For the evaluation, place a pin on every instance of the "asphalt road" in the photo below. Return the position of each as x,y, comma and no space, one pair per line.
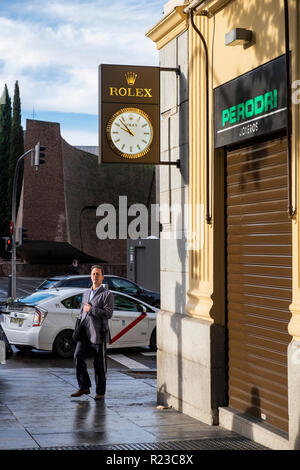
25,286
126,359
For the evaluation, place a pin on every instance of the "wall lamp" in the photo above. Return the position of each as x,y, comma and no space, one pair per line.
238,37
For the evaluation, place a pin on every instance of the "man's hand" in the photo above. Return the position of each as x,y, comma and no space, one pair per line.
87,308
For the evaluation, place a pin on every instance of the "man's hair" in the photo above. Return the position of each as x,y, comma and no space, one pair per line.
97,266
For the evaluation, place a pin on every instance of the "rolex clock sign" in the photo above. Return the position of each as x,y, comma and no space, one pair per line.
129,114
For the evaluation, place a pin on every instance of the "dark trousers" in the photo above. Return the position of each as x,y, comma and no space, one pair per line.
83,349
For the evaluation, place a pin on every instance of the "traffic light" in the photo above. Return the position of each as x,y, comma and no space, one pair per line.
8,243
39,155
22,235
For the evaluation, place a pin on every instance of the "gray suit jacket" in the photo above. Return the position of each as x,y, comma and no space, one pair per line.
96,321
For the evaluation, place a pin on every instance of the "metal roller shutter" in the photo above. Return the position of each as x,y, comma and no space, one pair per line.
259,280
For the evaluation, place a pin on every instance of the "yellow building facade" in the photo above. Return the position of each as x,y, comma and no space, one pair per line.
231,354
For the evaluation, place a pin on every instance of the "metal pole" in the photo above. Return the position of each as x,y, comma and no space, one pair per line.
9,286
291,212
13,219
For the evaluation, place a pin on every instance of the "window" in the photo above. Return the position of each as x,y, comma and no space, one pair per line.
48,284
73,302
124,304
80,282
123,285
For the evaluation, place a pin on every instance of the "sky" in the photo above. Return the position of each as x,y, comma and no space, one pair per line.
53,48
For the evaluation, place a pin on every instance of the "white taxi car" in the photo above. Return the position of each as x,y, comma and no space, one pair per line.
46,320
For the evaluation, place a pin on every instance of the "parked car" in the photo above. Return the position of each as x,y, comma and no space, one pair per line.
116,283
46,320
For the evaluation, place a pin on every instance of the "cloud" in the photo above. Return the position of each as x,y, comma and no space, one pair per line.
80,138
54,49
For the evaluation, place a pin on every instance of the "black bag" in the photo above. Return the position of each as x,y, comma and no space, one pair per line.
77,330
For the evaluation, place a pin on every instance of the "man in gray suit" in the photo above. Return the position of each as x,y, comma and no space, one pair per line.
96,309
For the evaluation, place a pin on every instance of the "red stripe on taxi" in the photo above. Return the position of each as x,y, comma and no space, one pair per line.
128,327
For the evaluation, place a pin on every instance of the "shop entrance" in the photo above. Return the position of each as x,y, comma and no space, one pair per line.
259,280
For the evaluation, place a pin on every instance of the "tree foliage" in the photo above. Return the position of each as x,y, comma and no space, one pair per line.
16,144
5,133
11,148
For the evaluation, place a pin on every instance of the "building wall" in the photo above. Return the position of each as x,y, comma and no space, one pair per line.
201,332
44,212
59,201
88,185
188,361
143,263
264,18
174,182
178,358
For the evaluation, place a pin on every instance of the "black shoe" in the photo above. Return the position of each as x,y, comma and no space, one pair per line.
86,391
99,397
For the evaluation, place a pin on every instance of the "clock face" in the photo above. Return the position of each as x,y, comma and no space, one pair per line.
130,132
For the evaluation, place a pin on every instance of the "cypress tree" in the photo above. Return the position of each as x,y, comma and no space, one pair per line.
5,129
16,145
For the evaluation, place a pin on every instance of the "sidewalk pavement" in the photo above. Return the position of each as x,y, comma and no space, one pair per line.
37,412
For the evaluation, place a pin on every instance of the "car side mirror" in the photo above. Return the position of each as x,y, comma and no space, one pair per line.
142,309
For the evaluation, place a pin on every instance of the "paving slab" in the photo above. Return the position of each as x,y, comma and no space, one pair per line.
16,439
37,412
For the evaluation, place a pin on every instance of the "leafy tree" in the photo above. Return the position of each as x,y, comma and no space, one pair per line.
16,145
5,129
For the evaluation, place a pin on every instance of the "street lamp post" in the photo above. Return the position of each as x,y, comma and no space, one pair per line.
13,224
36,162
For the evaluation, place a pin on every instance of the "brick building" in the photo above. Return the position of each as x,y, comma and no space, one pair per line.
58,203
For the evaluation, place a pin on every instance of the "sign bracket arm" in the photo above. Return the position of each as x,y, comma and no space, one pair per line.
171,69
177,163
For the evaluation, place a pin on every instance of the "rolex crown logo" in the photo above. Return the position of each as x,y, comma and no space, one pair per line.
131,78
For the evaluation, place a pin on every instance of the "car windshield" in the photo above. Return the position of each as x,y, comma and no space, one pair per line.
34,298
48,284
75,282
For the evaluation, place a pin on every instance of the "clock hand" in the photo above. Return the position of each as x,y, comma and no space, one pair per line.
128,130
122,128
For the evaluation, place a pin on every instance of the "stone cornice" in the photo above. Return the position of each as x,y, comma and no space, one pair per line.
212,6
169,27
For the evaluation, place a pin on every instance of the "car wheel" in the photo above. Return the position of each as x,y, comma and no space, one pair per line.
152,344
64,345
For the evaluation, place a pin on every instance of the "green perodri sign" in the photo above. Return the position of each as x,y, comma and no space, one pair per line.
251,105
